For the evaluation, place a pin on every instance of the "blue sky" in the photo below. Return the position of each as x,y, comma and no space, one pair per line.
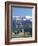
21,11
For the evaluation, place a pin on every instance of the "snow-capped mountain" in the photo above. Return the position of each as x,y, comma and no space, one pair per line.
20,22
22,17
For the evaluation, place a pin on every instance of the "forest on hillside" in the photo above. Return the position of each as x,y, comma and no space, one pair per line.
21,27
